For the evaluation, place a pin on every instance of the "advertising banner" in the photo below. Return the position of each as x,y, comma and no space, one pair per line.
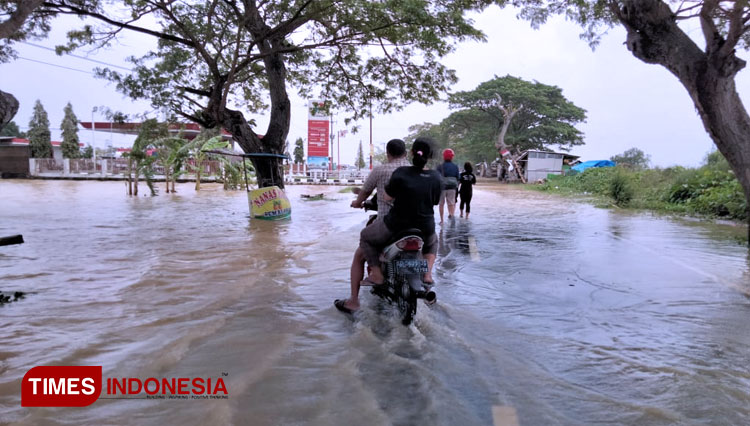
269,203
317,162
318,129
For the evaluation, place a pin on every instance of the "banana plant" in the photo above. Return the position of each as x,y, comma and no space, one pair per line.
172,158
197,148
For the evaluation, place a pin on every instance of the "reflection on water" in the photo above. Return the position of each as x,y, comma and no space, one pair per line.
568,313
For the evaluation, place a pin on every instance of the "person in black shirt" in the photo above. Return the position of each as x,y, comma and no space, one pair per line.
465,184
415,191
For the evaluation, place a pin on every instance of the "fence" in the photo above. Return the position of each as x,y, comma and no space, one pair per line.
107,167
117,168
45,165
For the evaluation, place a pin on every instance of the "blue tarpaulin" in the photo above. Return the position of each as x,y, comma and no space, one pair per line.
580,167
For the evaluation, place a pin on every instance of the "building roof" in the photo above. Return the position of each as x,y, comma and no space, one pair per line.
564,154
188,130
10,140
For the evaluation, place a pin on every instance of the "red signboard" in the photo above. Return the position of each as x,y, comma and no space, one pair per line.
317,138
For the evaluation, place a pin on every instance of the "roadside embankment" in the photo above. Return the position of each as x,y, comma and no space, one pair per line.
711,191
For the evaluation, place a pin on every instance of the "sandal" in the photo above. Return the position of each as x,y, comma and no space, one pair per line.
367,282
340,305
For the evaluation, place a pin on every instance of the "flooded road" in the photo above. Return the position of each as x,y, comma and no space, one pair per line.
568,313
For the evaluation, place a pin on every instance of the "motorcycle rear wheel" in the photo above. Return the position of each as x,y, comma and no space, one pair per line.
407,301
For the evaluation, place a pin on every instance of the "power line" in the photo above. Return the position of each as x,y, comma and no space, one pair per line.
77,56
55,65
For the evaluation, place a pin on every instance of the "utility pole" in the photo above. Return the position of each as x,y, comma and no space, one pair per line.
93,132
371,136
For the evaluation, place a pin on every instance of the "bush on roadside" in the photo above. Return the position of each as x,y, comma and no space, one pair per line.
620,188
711,190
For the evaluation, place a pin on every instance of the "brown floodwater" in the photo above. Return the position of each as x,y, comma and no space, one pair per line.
568,313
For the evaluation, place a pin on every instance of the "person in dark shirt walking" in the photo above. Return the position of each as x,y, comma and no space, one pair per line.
465,184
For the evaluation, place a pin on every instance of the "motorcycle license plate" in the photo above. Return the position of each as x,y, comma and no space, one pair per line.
414,266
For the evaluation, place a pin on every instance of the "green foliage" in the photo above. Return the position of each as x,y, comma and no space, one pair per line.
360,161
299,151
34,26
620,189
633,158
149,133
88,152
711,190
199,40
546,119
69,126
233,175
716,161
39,133
11,129
207,140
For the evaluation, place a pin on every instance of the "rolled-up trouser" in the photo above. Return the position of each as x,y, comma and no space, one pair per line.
448,195
376,236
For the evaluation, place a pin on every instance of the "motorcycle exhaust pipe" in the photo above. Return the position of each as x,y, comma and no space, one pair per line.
429,296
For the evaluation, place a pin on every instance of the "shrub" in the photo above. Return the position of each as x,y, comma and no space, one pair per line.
620,188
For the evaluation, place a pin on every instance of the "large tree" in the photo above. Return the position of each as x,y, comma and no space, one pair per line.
39,133
299,151
69,126
509,112
706,70
360,160
18,21
11,129
633,158
218,60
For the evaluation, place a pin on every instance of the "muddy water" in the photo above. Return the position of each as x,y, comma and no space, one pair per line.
567,313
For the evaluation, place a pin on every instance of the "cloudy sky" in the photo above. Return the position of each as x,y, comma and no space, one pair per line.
629,103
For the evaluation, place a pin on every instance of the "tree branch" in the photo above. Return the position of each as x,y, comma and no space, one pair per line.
67,9
23,10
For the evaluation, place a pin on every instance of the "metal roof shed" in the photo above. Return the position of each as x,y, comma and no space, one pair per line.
538,164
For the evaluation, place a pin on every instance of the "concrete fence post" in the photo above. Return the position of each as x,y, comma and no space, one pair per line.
66,166
32,166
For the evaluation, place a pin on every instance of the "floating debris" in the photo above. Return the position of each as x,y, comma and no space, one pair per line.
312,197
8,298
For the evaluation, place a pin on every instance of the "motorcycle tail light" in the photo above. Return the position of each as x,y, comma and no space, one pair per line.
410,244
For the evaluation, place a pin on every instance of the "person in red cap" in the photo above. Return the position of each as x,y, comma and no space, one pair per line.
449,172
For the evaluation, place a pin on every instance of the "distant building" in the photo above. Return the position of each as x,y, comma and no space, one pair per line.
14,157
538,164
56,145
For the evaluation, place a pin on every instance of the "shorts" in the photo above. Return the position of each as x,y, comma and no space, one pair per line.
450,196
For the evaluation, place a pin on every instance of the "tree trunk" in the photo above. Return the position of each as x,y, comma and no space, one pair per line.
8,108
268,171
24,8
135,177
130,175
708,76
198,169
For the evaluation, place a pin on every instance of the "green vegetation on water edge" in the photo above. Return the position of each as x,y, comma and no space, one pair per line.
709,191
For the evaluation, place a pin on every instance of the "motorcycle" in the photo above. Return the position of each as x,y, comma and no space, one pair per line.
403,269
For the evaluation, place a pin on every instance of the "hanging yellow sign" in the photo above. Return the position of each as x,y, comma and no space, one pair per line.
269,203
